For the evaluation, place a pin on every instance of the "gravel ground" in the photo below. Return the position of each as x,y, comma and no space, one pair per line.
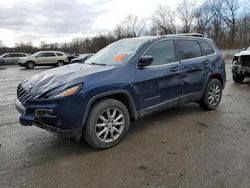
181,147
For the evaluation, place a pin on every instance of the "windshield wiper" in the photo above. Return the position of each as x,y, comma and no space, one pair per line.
93,63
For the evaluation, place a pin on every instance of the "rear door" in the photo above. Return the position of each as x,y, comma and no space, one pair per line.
159,82
195,67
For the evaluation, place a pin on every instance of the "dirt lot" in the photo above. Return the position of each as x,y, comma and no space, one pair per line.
182,147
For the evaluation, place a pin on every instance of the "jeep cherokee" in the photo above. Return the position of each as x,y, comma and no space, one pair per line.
123,82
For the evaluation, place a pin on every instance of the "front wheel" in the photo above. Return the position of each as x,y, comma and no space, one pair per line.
238,78
107,124
30,65
212,95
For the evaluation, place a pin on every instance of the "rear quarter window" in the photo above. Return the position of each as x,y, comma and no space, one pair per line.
187,49
207,49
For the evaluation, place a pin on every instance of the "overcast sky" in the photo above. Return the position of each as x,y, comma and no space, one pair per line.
62,20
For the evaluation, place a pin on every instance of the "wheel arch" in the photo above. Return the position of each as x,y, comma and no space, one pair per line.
218,77
120,95
32,61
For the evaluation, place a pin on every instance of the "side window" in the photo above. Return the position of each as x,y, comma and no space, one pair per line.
207,48
163,52
41,55
50,54
16,55
59,54
188,49
6,56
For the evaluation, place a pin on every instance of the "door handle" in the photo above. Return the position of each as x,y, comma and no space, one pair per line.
206,62
174,69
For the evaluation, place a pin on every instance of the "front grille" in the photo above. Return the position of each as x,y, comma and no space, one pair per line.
245,60
22,94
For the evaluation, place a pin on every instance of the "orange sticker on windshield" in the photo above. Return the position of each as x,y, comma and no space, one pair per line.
119,58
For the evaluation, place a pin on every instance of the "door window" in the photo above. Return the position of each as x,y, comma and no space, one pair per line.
49,54
41,55
163,52
188,49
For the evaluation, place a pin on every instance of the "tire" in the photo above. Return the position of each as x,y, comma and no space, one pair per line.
238,78
111,127
60,63
30,65
212,95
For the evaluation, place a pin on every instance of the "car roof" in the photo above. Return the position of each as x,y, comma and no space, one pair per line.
51,51
194,36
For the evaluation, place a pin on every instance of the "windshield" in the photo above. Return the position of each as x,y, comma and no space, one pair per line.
118,52
3,55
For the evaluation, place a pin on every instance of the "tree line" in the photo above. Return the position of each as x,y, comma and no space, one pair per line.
227,22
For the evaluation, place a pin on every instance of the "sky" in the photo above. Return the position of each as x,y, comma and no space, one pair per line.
61,20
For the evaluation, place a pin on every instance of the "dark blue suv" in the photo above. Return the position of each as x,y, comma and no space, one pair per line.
121,83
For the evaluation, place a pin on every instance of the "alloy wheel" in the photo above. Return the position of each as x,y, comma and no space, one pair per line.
214,94
110,125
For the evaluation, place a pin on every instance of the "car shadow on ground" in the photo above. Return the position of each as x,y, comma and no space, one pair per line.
148,122
164,116
37,68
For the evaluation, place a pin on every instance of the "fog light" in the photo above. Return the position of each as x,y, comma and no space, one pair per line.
43,112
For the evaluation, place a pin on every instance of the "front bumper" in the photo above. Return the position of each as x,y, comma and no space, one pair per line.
60,116
241,70
21,64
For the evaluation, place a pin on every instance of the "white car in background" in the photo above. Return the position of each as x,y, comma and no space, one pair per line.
44,58
241,65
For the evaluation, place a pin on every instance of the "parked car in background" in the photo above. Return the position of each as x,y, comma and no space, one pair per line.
124,81
12,58
241,65
71,56
82,58
44,58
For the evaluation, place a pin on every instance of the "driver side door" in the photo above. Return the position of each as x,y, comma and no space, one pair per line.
159,84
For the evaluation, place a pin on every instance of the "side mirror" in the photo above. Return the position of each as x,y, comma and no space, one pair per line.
36,56
145,61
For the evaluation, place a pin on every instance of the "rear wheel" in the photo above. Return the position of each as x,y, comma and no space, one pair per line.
238,78
60,63
107,124
212,96
30,65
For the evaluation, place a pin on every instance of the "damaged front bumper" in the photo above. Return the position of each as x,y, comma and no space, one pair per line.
241,70
61,116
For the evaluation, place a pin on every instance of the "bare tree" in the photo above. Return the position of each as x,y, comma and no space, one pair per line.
163,21
186,12
121,32
203,19
229,16
133,26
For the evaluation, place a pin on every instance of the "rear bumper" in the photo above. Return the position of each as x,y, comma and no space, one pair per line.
59,116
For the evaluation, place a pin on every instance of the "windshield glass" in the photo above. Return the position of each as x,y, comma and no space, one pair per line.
118,52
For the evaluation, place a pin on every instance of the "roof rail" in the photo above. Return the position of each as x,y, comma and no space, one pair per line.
187,34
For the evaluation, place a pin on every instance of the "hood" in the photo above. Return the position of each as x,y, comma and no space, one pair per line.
245,52
61,78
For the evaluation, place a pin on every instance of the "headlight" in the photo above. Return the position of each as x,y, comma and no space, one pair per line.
68,91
